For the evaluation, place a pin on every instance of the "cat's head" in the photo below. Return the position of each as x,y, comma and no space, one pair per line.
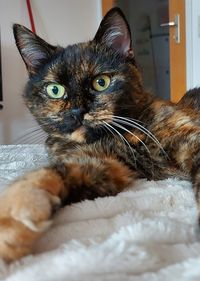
75,90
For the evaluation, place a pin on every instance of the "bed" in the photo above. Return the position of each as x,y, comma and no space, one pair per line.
148,232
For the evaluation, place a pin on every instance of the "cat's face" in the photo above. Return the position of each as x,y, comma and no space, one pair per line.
78,88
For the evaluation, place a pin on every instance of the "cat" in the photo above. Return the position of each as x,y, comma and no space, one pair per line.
104,130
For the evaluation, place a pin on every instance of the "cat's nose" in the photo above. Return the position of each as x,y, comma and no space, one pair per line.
78,113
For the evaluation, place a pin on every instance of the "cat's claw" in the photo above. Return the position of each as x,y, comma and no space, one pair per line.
35,226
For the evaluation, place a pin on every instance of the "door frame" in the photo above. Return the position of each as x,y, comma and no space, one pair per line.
191,14
189,24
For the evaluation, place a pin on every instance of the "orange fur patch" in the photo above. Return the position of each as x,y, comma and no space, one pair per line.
78,135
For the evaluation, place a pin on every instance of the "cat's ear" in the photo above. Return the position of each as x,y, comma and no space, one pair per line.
114,31
34,50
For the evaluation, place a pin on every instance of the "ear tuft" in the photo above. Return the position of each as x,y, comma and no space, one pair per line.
114,31
34,50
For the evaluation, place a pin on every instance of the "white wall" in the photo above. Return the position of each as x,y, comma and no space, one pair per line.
60,22
193,43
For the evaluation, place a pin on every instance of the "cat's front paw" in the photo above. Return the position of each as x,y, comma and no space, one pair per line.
25,212
33,208
15,239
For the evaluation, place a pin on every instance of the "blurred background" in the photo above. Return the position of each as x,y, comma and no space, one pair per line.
166,41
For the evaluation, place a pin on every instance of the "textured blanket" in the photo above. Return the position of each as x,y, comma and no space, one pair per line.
146,233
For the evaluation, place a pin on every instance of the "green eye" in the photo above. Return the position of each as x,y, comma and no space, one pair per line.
55,91
101,83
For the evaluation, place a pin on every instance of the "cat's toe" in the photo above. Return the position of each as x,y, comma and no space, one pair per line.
15,239
31,206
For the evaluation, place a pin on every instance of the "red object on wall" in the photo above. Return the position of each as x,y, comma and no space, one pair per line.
28,3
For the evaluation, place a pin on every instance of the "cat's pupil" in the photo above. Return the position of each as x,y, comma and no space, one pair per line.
101,82
55,90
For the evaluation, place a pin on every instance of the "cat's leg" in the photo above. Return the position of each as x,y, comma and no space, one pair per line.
195,174
188,157
26,207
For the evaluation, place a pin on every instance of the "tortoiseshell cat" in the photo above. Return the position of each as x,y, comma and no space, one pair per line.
103,130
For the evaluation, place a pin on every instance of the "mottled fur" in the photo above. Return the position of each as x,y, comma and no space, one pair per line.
98,142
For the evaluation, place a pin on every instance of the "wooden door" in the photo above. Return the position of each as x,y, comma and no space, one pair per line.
107,5
177,50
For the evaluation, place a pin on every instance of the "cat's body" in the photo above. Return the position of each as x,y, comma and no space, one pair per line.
103,130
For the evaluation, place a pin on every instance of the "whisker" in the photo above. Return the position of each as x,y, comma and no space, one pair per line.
106,126
135,125
122,138
41,139
28,135
32,139
138,126
38,138
123,128
133,119
148,151
102,126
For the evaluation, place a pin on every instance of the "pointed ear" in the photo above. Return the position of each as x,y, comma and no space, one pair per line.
114,32
34,50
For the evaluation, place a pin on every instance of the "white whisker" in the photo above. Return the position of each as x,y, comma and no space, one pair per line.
121,137
132,123
30,134
123,128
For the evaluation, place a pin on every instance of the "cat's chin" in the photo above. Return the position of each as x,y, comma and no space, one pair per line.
79,135
86,134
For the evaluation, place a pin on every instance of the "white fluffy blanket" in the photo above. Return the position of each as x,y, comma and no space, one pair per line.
146,233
